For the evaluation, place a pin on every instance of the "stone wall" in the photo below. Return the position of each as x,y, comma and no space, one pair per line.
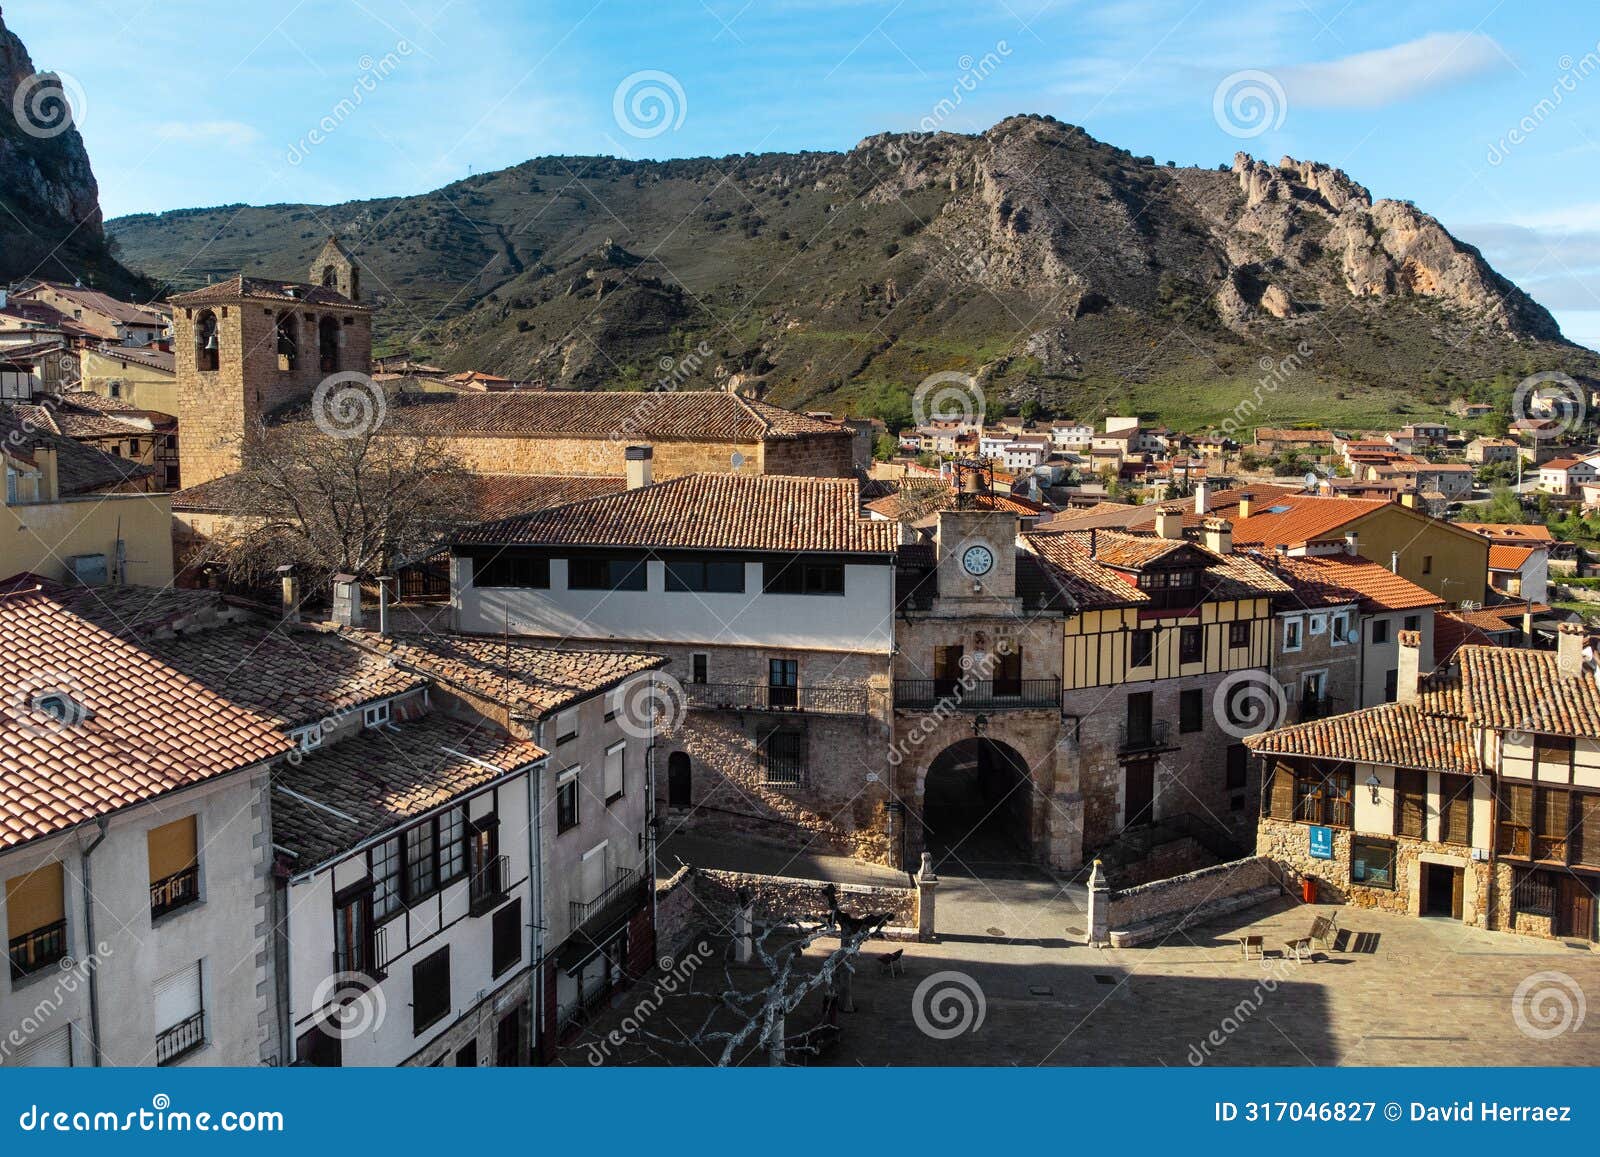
678,917
1184,894
812,455
787,897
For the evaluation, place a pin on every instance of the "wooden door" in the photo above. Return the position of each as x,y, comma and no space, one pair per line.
947,669
1458,881
1139,791
1575,907
679,779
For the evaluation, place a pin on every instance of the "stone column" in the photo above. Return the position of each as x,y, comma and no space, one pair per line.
744,920
1099,907
927,885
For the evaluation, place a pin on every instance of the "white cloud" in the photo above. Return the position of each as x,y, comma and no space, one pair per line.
235,133
1386,75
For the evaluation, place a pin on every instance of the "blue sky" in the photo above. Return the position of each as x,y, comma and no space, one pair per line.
198,104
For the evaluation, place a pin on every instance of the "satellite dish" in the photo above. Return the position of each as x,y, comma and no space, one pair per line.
1311,480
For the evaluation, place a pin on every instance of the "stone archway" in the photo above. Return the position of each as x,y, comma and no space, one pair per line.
978,803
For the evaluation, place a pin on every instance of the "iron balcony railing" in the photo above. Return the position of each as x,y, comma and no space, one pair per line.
1147,736
978,694
174,891
38,949
620,889
812,700
489,884
181,1039
367,958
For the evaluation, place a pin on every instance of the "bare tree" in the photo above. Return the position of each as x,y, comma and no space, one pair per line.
357,504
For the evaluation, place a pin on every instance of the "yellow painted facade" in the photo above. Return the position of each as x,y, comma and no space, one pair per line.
1441,558
39,537
1098,643
138,385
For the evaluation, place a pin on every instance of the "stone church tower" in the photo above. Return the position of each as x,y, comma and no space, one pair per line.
246,347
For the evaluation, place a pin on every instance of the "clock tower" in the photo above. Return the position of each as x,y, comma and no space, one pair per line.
977,562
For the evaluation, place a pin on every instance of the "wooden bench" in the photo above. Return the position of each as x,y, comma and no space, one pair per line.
1323,930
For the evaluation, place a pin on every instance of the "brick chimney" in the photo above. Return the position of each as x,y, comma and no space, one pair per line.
639,466
1169,523
1219,536
1569,650
1410,671
347,600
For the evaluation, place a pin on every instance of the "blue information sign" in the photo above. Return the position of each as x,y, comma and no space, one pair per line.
1321,843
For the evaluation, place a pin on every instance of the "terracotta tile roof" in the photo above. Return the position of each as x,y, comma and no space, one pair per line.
707,511
266,289
1378,588
1510,532
1304,518
292,675
1090,586
487,496
917,499
530,678
1518,690
1506,617
80,469
1509,557
1562,463
1132,551
1080,563
1100,515
1392,735
697,415
148,729
126,312
345,793
163,361
1450,633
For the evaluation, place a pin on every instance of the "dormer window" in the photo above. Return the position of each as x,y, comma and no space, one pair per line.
307,738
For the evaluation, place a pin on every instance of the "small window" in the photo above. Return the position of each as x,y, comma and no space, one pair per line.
36,919
614,772
430,991
1191,644
567,788
1239,634
1339,629
1413,622
1372,863
508,570
1191,710
1238,763
1380,631
174,860
567,725
375,716
1427,564
712,576
697,667
383,862
1317,625
1141,648
309,738
802,576
783,758
606,574
1292,634
507,948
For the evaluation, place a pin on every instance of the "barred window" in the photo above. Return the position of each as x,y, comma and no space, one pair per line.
783,758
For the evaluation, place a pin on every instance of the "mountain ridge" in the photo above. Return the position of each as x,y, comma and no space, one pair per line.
1057,268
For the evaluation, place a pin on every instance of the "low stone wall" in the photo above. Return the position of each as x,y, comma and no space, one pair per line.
779,897
1184,894
1173,858
677,917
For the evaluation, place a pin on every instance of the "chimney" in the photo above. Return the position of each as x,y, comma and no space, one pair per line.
383,603
1169,523
1569,650
291,594
639,468
1202,497
1246,504
1527,626
347,600
44,457
1219,536
1410,666
1351,543
1408,498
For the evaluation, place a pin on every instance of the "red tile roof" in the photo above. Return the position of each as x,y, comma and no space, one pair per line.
1519,690
137,728
1428,735
1509,557
707,511
240,287
1379,588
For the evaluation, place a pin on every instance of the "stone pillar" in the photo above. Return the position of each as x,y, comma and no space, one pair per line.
1099,907
775,1050
927,885
744,920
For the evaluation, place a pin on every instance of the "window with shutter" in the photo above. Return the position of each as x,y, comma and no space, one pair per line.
174,858
1455,808
36,919
567,726
1516,820
1586,829
1552,822
51,1050
1411,803
179,1014
613,778
1282,798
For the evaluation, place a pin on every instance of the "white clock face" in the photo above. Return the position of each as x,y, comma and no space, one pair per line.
977,560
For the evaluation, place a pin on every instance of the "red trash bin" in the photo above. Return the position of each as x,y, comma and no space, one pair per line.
1308,889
